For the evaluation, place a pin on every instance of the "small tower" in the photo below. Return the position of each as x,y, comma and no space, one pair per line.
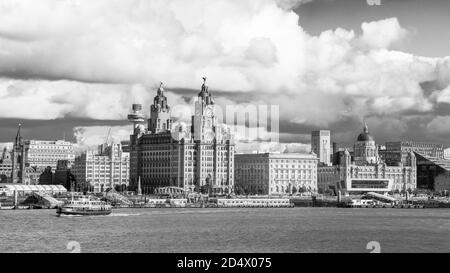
137,118
160,115
139,190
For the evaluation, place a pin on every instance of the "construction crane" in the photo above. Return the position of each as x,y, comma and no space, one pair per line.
107,137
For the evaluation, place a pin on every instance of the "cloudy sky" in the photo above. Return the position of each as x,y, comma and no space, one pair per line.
72,68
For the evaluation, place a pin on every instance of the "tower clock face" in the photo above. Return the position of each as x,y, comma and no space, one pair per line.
209,112
209,136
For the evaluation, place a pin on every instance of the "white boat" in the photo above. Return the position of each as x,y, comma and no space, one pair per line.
84,207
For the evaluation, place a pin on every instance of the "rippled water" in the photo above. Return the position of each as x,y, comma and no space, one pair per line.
229,230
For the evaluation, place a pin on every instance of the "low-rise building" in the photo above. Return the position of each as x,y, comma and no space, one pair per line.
275,173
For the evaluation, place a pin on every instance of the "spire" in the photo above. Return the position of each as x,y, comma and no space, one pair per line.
19,136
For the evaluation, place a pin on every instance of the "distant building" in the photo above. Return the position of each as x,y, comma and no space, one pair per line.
338,151
103,169
397,152
64,175
432,172
365,171
47,177
33,175
5,166
321,146
43,153
447,153
125,146
273,173
198,157
61,176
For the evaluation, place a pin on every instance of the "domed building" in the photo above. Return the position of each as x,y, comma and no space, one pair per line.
366,172
365,149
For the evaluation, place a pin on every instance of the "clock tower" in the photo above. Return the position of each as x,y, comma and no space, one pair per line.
160,117
204,121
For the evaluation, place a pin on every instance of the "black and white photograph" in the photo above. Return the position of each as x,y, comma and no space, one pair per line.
238,127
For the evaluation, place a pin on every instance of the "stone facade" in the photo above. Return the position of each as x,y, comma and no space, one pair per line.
272,173
365,171
197,157
103,169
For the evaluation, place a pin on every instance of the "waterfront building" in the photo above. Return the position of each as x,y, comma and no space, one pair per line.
447,153
197,157
5,166
32,175
63,175
103,169
432,172
321,146
366,172
338,151
276,173
47,177
43,153
382,152
397,152
21,189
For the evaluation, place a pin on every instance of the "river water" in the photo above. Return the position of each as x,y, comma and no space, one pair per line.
228,230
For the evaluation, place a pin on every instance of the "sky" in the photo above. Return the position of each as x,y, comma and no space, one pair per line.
72,68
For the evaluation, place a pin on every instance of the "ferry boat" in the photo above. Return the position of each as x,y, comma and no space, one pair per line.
84,207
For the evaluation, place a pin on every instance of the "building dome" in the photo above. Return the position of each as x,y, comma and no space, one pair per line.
365,136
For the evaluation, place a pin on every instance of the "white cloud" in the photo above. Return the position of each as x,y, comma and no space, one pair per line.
253,46
442,96
89,137
383,33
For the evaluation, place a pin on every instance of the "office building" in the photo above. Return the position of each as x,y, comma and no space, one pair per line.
397,152
43,153
103,169
199,157
321,146
275,173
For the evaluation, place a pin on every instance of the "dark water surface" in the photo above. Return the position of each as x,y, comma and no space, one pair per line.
229,230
